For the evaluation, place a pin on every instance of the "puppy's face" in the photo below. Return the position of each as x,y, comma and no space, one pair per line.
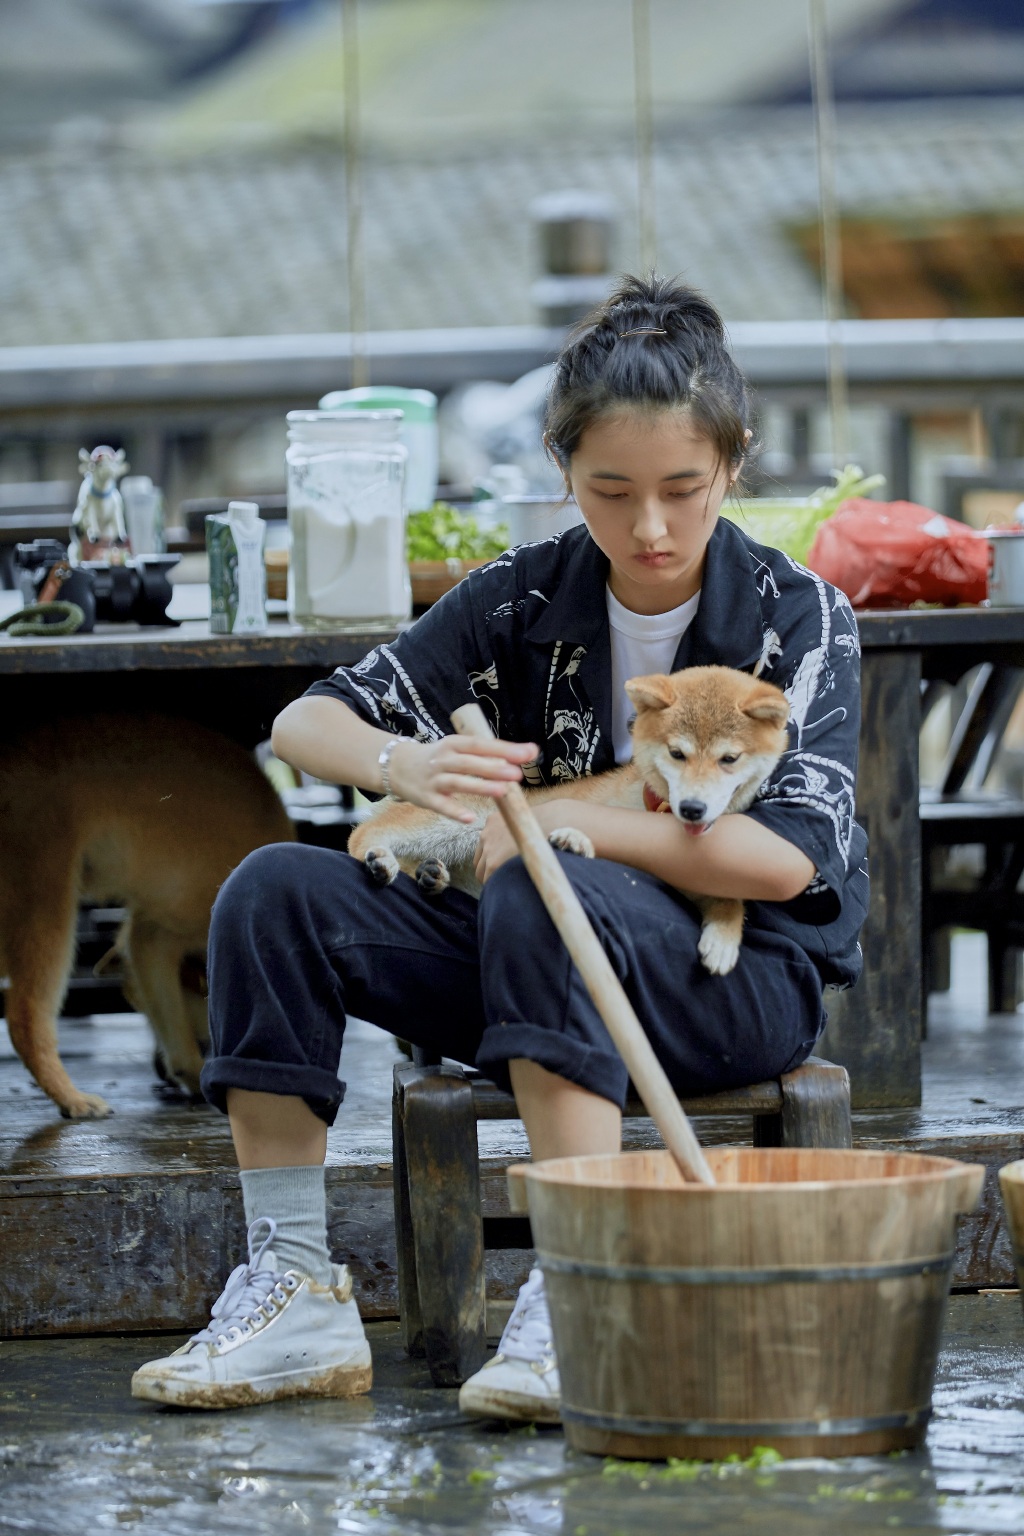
705,739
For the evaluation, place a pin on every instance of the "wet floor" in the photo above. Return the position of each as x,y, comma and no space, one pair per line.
78,1456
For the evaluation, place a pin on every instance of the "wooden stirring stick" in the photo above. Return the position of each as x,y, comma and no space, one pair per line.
564,909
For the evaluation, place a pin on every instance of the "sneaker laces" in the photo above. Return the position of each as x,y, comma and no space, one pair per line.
527,1334
242,1304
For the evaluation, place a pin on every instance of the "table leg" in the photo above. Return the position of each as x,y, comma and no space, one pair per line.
875,1029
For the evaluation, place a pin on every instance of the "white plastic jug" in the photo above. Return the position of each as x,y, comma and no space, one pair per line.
418,432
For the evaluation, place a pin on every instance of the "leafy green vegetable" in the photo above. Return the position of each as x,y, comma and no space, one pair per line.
790,523
442,533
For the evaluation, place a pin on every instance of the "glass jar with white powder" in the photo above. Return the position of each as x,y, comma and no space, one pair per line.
348,568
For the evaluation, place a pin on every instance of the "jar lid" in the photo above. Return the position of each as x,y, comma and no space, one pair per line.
415,404
331,418
340,427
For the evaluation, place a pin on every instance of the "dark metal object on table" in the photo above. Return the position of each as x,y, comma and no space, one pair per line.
137,591
441,1232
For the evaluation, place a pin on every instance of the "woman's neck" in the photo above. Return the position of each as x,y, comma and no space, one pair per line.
650,600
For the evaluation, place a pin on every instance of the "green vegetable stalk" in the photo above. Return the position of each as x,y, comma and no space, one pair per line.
790,523
442,533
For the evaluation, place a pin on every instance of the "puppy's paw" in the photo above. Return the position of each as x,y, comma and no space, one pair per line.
85,1106
570,840
432,877
382,865
719,950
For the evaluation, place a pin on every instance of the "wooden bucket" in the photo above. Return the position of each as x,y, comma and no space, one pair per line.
1011,1185
797,1303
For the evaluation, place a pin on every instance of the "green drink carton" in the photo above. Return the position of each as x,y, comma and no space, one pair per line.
238,578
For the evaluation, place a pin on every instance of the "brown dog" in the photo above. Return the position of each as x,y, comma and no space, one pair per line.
143,812
704,741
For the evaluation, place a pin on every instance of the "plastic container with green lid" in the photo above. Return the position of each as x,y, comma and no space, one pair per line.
419,432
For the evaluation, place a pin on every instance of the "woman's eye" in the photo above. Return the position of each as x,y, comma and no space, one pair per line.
612,495
680,757
730,757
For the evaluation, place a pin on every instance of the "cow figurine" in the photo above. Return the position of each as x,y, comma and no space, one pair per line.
98,528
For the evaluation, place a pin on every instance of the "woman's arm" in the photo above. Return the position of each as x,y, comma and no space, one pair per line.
322,736
738,857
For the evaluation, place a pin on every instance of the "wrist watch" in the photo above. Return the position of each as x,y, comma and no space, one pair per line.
384,764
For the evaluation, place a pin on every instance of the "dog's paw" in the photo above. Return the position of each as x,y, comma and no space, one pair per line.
382,865
571,840
718,950
432,877
85,1106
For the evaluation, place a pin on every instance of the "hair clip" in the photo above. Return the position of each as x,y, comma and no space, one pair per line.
643,331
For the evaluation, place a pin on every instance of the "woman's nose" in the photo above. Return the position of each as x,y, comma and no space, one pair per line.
650,523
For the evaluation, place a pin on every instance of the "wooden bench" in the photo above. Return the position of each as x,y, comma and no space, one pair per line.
441,1231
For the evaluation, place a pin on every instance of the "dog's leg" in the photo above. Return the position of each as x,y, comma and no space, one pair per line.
153,959
721,933
40,944
571,840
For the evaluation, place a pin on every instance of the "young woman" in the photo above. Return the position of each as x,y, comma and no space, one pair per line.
648,420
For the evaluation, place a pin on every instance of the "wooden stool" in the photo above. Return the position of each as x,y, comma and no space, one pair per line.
441,1231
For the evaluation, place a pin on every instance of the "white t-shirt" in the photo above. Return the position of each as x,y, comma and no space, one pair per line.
642,643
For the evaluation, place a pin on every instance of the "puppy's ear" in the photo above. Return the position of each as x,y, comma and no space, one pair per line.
655,692
768,704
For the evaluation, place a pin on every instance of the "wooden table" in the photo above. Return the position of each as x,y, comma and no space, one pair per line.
238,684
875,1029
233,683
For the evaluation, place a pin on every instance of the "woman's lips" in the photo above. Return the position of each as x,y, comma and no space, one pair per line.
655,561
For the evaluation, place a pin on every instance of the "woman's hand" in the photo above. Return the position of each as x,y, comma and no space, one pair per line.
431,774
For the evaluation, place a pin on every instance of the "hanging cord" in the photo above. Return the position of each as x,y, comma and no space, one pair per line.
44,619
360,370
643,116
830,235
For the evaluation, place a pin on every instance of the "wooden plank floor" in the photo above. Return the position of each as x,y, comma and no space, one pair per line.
131,1223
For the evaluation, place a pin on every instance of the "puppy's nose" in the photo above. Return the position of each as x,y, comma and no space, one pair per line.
692,810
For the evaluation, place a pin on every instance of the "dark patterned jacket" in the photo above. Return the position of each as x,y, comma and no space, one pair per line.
527,638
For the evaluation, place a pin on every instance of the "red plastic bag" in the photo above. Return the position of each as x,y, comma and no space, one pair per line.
891,554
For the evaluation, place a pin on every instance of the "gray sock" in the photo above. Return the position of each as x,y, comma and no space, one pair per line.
296,1200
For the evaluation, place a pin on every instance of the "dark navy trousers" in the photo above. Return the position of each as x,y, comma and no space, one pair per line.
301,938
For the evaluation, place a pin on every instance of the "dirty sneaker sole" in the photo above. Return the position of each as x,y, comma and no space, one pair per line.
493,1403
335,1381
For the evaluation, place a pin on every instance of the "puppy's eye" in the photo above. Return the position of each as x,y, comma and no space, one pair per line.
730,757
680,757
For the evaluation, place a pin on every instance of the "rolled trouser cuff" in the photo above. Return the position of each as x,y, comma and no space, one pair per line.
322,1091
600,1072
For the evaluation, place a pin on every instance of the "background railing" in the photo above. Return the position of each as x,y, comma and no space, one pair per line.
933,402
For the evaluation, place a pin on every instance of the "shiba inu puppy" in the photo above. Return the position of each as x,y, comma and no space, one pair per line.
704,741
142,812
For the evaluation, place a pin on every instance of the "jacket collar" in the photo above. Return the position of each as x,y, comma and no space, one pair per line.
727,630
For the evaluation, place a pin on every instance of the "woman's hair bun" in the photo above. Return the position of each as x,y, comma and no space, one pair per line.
654,341
661,303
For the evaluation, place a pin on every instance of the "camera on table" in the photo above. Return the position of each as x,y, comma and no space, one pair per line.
136,591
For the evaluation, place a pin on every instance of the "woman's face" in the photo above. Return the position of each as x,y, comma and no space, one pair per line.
649,488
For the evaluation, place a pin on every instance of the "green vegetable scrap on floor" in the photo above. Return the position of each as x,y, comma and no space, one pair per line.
442,533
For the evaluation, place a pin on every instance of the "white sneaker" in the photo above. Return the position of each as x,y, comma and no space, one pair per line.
521,1382
272,1333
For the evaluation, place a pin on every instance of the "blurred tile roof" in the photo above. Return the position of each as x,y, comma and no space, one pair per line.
124,246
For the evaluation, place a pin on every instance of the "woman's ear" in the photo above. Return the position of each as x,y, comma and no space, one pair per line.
654,692
734,474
